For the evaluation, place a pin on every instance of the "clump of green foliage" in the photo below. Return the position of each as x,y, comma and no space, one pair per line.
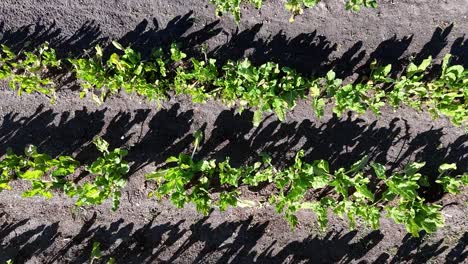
356,5
264,88
127,71
43,172
26,71
233,7
109,171
271,88
209,184
46,174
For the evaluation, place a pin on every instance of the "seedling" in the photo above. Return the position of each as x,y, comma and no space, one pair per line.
233,7
110,171
355,5
26,71
47,174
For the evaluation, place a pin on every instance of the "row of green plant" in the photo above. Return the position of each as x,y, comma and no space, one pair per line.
46,174
210,184
264,88
295,7
348,193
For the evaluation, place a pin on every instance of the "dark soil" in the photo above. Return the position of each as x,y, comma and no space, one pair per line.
143,231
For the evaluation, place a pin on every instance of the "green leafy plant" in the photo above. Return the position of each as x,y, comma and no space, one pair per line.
26,71
210,184
410,209
448,95
174,182
268,88
349,193
264,88
296,7
451,184
110,171
43,172
191,181
96,253
233,7
127,71
197,81
47,174
355,5
444,96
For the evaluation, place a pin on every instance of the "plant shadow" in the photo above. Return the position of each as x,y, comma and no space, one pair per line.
309,53
205,241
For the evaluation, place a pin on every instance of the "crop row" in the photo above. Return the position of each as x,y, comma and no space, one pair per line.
296,7
209,184
46,174
264,88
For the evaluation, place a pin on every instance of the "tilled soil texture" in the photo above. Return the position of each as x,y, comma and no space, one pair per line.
143,231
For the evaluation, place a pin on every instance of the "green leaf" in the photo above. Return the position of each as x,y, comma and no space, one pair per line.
358,166
172,159
331,75
413,167
320,181
4,185
365,192
32,174
424,64
116,200
379,170
156,175
96,251
117,45
198,137
445,63
99,52
447,167
450,184
310,3
257,118
101,144
318,105
464,179
321,166
386,70
412,69
30,150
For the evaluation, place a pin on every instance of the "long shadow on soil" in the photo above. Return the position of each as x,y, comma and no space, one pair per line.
33,35
202,242
29,243
309,53
145,37
71,133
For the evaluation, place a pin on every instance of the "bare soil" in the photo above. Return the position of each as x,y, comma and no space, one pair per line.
144,231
